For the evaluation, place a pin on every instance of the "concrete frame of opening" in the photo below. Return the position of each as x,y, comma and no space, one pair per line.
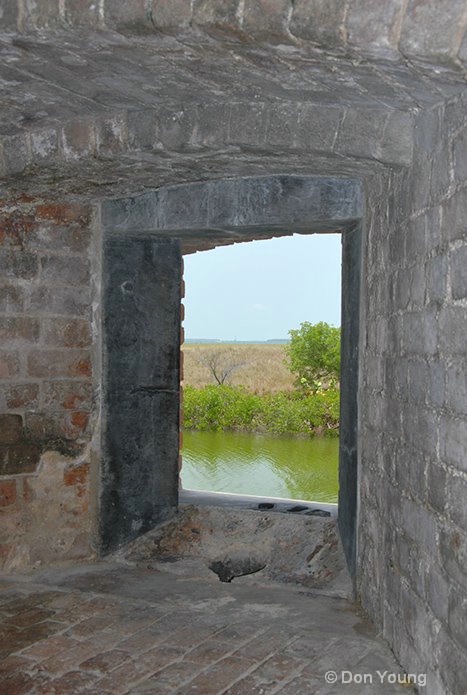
139,474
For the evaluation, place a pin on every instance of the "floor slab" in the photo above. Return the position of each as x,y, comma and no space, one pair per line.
113,628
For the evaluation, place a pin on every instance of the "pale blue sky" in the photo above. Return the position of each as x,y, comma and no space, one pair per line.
259,290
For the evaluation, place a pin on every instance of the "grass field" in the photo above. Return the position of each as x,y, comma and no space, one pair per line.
261,367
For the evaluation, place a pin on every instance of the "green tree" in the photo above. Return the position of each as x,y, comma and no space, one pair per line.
314,355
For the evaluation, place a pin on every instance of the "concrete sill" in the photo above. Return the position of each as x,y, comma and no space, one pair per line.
269,504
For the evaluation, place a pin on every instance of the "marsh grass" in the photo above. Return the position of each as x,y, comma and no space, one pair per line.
263,367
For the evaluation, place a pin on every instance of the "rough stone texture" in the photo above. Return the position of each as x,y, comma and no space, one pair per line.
368,91
273,547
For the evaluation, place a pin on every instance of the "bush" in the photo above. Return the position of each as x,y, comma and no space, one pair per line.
314,355
217,408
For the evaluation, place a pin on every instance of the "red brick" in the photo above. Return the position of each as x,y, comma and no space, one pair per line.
19,328
77,475
18,264
7,493
46,426
72,682
65,270
50,237
11,299
11,429
14,229
71,212
106,661
9,364
70,301
22,395
69,395
22,458
59,363
74,333
49,647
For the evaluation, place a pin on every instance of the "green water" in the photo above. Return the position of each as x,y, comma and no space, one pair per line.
253,464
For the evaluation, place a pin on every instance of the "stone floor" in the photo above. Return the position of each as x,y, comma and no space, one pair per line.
106,628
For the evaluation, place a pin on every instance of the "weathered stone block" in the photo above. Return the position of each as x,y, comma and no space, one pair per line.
373,24
427,27
266,18
142,129
458,262
457,618
452,322
453,441
437,277
459,156
453,552
11,429
78,139
248,125
420,333
454,216
175,127
44,146
112,135
438,589
456,387
9,12
318,20
223,13
419,524
361,133
456,488
436,486
82,13
317,126
40,15
15,154
126,14
170,14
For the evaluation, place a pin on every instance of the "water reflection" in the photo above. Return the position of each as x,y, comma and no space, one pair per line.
261,465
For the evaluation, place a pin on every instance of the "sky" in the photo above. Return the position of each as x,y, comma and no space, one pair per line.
259,290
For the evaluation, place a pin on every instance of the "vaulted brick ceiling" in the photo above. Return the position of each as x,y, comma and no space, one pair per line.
98,97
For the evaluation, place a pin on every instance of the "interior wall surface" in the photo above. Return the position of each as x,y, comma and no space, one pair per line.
398,125
412,535
48,272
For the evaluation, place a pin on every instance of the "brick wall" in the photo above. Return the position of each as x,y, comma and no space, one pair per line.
413,481
45,380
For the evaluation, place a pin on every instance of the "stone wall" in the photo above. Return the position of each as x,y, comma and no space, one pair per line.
108,115
46,389
429,28
413,484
